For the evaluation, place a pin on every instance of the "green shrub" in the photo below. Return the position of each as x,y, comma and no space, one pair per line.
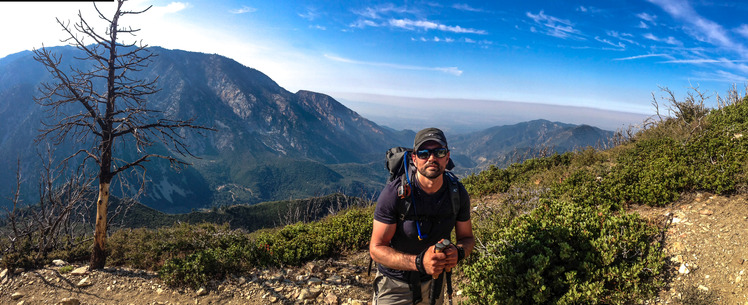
198,268
297,243
653,172
567,254
66,269
193,255
149,249
496,180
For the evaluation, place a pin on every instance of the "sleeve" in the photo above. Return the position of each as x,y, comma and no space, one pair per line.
464,214
386,211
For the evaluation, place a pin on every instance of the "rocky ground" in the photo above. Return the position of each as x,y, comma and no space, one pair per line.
703,236
342,281
705,241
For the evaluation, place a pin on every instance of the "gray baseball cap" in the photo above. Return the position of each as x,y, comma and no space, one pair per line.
429,134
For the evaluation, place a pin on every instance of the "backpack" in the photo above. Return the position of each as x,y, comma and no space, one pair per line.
398,163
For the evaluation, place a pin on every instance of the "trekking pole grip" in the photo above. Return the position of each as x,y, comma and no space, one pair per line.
446,244
439,247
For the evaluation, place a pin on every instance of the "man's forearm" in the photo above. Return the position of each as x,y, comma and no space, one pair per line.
467,244
393,259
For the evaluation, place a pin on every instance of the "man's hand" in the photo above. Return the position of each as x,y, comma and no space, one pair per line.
451,257
434,262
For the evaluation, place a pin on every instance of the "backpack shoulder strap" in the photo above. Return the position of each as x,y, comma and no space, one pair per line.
403,202
454,192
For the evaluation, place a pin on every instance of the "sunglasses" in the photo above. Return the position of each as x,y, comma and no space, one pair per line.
437,152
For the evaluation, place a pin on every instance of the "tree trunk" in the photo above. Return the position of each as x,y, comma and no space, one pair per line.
98,255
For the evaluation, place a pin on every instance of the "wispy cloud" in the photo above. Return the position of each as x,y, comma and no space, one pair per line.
721,76
622,36
243,10
430,25
644,56
434,39
704,61
362,23
701,28
669,40
649,18
555,27
466,7
742,30
393,16
449,70
310,14
617,45
377,11
588,9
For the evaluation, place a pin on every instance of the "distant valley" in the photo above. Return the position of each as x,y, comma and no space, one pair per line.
269,144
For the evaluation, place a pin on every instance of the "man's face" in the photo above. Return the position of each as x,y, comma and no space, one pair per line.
433,166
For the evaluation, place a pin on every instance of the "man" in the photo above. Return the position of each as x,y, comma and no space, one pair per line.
403,245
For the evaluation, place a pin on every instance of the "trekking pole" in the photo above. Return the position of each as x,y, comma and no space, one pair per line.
449,287
448,274
438,248
436,287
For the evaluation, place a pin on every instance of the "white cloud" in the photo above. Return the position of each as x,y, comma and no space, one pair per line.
430,25
376,12
701,28
243,10
742,30
693,61
362,23
449,70
310,14
642,25
617,45
669,40
588,9
622,36
466,7
721,76
643,56
170,8
647,17
555,27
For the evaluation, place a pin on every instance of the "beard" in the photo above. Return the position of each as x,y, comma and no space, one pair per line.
431,170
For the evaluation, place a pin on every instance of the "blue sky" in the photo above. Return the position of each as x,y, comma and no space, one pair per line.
466,64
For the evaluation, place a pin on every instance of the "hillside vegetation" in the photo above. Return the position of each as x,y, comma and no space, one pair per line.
559,234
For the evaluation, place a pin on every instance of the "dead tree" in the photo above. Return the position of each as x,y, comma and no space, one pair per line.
54,222
102,107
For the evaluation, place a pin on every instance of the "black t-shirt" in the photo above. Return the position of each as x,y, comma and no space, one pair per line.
435,214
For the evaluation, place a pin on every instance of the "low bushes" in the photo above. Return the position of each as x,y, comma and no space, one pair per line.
564,253
192,255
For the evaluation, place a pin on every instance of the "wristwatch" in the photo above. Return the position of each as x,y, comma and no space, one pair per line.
460,253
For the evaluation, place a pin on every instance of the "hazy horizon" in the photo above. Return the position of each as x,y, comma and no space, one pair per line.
466,115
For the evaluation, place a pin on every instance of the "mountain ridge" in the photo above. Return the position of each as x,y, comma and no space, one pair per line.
270,144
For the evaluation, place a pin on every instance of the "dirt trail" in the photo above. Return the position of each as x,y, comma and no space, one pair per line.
706,244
